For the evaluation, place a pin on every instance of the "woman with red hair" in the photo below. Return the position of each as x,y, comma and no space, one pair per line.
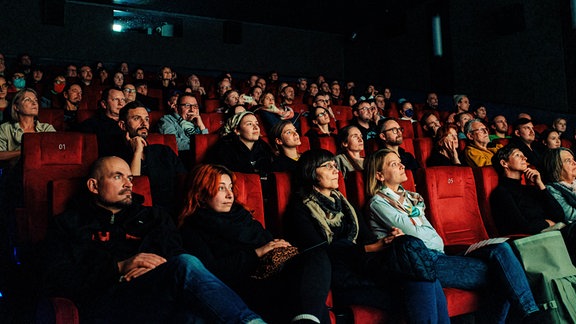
218,229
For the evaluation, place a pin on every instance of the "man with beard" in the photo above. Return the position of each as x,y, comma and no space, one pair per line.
157,161
122,262
72,96
390,137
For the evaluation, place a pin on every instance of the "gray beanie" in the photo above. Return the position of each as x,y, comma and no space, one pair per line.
458,97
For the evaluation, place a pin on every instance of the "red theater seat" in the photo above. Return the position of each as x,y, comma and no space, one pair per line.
199,145
54,117
423,147
211,105
155,116
47,157
250,194
408,128
452,208
213,121
164,139
486,180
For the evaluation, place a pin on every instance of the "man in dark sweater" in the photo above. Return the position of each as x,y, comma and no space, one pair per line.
121,262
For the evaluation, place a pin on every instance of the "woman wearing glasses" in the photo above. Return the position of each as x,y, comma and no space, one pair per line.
351,262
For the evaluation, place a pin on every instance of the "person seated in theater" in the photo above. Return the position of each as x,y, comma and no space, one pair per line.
185,122
445,151
5,108
166,82
300,90
142,96
194,86
406,110
518,208
240,147
461,103
431,101
90,87
336,97
129,90
157,161
479,110
72,96
551,138
559,169
498,127
493,267
270,113
24,114
105,121
461,119
525,138
559,124
217,228
477,153
390,137
430,123
50,98
122,262
285,140
351,147
363,118
320,119
351,262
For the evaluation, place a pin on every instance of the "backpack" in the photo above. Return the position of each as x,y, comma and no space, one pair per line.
550,273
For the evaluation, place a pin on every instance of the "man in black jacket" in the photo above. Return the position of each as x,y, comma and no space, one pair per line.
122,262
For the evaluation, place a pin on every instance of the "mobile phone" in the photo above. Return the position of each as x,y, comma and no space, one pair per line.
248,99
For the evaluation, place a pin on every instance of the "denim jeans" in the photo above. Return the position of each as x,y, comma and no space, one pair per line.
426,302
181,290
495,267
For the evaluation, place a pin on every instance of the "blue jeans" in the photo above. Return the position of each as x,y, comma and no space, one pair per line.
495,267
181,290
426,302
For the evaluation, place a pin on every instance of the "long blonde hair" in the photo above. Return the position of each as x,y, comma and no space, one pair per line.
372,166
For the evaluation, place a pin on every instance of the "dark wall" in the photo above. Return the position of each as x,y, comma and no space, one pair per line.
506,51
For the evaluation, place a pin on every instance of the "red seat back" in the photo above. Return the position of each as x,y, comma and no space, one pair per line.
61,190
250,194
408,128
47,157
486,180
54,117
164,139
356,190
82,115
423,147
503,141
452,205
342,113
211,105
155,116
407,145
199,145
325,142
213,121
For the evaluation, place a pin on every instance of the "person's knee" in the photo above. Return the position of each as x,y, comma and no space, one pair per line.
189,261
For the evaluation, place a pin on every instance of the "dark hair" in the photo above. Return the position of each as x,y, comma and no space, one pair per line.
544,135
307,164
521,122
503,154
552,164
123,114
106,93
276,132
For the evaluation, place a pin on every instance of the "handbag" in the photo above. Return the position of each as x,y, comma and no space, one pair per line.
550,273
273,261
411,259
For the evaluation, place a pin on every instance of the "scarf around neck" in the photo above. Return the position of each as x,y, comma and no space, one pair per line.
330,212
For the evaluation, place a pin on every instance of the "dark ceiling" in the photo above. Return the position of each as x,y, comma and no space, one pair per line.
319,15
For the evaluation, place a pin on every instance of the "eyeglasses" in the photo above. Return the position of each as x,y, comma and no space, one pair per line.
364,108
331,166
322,114
4,86
59,81
394,130
129,90
482,130
188,105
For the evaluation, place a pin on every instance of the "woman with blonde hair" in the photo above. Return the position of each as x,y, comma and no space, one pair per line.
494,266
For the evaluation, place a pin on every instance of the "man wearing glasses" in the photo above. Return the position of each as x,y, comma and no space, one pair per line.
390,137
184,122
477,153
363,119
